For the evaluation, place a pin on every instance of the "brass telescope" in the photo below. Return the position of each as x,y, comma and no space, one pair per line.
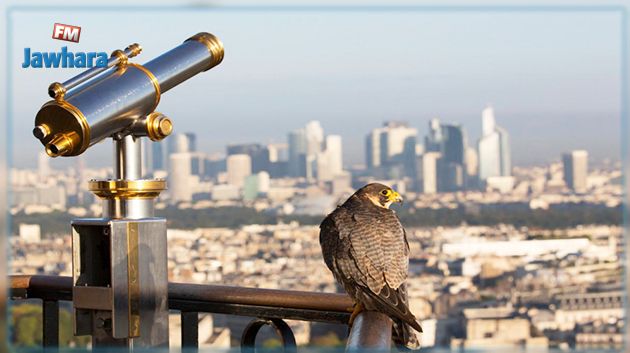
121,98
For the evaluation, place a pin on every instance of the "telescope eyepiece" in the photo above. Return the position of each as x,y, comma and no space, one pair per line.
61,144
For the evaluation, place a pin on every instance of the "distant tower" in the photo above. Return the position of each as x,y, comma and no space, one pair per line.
314,146
278,152
334,154
314,137
157,156
373,149
239,167
576,170
494,148
427,172
312,154
180,143
264,182
192,141
297,153
395,138
472,167
329,160
433,142
450,141
258,153
43,166
393,146
180,177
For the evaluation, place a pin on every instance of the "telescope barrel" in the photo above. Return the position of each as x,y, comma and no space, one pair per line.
100,103
59,90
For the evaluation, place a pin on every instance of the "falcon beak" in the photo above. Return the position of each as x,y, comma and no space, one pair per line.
395,197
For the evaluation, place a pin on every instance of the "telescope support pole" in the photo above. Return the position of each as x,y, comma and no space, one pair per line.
128,158
122,257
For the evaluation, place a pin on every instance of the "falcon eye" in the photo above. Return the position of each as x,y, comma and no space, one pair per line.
385,192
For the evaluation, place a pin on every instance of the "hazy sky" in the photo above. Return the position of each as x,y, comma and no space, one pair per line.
553,77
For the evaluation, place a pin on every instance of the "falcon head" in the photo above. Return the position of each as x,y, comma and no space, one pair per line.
379,194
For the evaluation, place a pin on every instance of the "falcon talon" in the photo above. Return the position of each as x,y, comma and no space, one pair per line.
356,310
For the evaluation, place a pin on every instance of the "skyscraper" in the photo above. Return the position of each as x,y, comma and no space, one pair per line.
257,152
214,165
278,152
297,153
314,137
198,163
335,154
494,148
239,167
308,152
450,141
43,167
314,146
157,156
396,138
433,142
329,160
192,141
179,143
576,170
427,172
180,177
471,162
392,146
373,149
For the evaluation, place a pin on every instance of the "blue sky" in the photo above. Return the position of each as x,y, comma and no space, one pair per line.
553,77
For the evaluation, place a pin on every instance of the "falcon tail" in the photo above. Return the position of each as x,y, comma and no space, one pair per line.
404,337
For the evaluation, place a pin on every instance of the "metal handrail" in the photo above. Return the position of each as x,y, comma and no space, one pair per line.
300,305
370,330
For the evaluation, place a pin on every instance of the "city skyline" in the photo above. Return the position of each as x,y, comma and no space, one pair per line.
100,154
310,162
428,142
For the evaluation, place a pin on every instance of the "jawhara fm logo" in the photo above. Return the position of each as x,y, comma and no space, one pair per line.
64,58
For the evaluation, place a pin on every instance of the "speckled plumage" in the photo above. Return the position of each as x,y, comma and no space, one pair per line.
365,247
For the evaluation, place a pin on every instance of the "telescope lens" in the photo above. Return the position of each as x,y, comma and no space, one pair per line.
40,132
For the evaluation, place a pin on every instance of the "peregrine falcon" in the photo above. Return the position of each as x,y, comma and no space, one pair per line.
365,247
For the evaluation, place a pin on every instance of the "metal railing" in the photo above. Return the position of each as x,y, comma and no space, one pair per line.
268,306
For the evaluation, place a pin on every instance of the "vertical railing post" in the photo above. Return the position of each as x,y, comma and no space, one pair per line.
50,323
190,329
371,331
